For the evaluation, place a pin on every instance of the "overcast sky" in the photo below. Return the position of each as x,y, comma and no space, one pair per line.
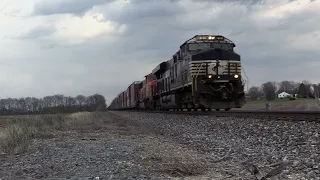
84,47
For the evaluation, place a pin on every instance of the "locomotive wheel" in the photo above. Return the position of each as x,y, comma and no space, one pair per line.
209,109
227,109
189,109
195,109
217,109
203,109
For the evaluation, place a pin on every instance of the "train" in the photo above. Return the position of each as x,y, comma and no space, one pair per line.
205,73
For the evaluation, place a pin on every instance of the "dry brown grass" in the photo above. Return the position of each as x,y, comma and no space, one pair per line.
16,133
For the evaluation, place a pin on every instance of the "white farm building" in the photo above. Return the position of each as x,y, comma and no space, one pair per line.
284,95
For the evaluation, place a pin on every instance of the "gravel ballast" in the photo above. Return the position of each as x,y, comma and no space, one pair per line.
137,145
234,145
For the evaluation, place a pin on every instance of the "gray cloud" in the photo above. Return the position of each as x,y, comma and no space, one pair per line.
37,32
138,9
66,6
155,30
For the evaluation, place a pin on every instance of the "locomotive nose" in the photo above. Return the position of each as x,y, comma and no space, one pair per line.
213,54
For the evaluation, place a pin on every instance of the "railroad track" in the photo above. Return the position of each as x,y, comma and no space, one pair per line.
276,115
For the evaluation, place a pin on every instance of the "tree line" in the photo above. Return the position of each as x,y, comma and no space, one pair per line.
52,104
269,90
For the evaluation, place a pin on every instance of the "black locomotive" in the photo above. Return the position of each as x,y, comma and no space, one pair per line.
204,74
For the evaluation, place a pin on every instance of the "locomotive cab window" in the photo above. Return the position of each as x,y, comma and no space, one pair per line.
225,46
198,46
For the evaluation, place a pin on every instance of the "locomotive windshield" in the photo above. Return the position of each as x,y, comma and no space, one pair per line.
201,46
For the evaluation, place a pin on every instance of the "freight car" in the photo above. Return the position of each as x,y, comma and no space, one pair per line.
205,73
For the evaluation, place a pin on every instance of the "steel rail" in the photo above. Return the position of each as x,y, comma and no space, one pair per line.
278,115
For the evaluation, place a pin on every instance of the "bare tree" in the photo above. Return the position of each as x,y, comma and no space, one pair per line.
81,101
255,92
100,102
287,86
269,90
305,82
303,90
52,104
308,84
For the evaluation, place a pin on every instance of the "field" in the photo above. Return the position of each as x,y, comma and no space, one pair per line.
137,145
17,132
284,104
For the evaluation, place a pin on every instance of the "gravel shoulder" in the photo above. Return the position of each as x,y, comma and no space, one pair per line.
117,149
234,146
136,145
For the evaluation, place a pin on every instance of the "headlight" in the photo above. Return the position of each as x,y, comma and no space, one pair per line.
209,76
236,76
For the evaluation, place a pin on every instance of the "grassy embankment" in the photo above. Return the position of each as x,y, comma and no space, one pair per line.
298,104
17,132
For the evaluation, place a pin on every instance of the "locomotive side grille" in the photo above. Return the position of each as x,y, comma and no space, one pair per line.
208,67
235,68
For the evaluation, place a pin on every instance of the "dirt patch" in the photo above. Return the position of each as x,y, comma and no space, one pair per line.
164,156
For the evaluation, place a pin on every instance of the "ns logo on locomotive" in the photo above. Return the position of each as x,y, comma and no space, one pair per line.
204,74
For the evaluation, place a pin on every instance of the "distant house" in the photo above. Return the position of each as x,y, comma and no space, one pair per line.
284,95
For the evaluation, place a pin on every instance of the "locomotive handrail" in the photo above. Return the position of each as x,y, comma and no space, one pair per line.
198,71
246,81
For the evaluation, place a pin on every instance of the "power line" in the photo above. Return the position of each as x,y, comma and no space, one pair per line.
8,4
4,7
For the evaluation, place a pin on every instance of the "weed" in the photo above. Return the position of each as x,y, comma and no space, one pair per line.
17,133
